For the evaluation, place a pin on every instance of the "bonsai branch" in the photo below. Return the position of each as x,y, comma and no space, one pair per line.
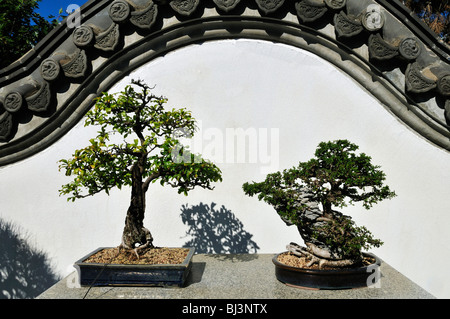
149,179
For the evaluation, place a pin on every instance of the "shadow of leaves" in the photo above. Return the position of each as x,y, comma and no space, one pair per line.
216,230
24,272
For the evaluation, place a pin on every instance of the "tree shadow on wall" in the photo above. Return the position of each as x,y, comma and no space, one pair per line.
24,272
216,231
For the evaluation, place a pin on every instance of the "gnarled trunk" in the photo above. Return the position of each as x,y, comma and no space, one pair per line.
312,225
134,233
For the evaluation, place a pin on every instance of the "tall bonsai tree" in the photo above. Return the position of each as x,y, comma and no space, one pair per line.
137,144
307,194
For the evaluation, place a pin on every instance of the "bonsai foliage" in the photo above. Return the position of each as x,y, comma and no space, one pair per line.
137,144
306,196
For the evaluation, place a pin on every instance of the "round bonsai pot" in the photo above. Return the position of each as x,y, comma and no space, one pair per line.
345,278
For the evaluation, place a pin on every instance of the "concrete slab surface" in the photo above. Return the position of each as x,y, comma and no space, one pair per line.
239,276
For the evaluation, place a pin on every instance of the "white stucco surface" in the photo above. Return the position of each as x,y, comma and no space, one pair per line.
289,98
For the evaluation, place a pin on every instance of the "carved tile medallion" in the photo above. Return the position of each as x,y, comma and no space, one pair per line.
40,101
76,66
226,5
373,19
409,48
145,18
308,11
184,7
269,6
13,102
346,26
416,82
119,11
108,40
50,69
83,36
336,4
380,49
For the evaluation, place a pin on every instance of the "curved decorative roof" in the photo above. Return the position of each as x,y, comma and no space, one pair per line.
379,43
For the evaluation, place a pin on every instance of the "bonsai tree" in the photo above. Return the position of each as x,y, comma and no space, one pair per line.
145,149
306,196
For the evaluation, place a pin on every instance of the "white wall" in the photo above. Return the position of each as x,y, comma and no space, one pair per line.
251,85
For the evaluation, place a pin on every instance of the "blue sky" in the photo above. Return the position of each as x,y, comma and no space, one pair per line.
51,7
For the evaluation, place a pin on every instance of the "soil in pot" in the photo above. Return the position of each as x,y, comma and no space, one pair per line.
292,260
109,266
149,256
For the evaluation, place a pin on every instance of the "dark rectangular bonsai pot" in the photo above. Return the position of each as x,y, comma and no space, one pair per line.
161,275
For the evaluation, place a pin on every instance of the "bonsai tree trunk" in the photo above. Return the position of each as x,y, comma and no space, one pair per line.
315,237
135,235
313,225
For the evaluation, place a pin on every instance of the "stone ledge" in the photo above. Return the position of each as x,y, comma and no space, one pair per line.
240,276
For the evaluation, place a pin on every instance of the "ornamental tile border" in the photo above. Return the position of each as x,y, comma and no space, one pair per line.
381,37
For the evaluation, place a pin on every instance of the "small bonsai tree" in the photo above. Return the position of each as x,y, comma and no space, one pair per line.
306,195
146,148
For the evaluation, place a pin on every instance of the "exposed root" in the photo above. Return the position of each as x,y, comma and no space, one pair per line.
137,250
313,259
